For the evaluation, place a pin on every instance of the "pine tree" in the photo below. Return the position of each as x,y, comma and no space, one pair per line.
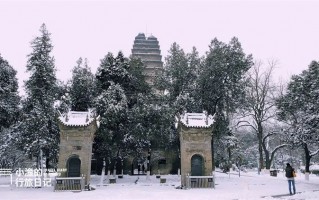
179,81
113,70
9,97
112,106
300,109
137,84
179,74
221,79
9,109
63,102
82,89
39,130
221,82
129,120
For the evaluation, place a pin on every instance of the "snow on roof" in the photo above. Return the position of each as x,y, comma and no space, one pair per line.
76,118
197,120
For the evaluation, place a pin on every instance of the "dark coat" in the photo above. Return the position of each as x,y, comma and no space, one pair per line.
289,172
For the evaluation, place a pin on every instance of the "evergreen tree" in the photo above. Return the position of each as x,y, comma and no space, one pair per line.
300,109
82,89
178,78
113,70
137,85
130,122
178,71
221,82
225,141
113,83
9,97
9,109
111,105
39,130
221,78
63,102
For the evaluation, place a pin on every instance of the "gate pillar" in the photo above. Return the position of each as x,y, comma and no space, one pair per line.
77,131
195,132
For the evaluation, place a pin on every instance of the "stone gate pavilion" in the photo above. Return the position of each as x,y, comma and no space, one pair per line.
195,132
77,131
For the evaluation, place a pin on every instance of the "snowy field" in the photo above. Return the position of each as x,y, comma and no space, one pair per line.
228,187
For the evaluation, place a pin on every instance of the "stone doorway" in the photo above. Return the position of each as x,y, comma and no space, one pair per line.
74,167
139,166
197,165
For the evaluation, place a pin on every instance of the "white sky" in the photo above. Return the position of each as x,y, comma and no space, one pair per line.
287,31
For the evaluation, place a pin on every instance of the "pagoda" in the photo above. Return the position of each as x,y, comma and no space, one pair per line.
148,50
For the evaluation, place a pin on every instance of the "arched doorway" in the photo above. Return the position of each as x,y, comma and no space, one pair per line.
138,165
197,165
74,166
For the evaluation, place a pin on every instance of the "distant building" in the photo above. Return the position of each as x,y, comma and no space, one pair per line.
148,50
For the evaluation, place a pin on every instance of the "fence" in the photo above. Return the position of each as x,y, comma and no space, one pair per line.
69,183
5,181
200,182
5,172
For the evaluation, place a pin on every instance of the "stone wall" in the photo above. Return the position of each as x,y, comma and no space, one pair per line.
162,162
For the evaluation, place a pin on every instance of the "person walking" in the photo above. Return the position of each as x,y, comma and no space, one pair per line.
291,179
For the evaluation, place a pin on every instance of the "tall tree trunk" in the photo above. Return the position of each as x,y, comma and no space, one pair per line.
122,166
38,161
261,156
267,156
229,158
149,160
114,167
267,159
108,168
148,164
307,156
260,147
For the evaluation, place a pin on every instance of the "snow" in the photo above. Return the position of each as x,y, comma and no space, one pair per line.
200,120
76,118
249,186
314,167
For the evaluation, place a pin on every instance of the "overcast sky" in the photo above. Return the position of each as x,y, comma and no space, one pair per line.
287,31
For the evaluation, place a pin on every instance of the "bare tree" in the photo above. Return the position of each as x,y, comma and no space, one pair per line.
258,112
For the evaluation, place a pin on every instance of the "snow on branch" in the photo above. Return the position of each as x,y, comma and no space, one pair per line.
314,153
247,124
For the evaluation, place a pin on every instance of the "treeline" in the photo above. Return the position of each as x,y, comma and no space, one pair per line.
248,107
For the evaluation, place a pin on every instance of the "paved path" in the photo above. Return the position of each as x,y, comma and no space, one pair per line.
279,196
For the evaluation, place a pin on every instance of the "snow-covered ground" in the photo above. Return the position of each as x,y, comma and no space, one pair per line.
228,187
